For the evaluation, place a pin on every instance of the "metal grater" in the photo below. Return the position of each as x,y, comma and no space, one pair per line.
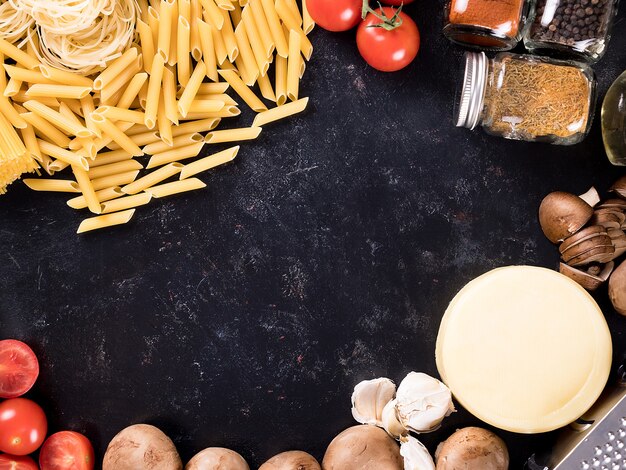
597,441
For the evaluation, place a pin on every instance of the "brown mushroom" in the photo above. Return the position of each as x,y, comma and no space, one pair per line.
291,460
591,279
217,458
607,219
363,448
617,288
619,187
563,214
600,254
618,238
584,246
472,449
613,204
581,236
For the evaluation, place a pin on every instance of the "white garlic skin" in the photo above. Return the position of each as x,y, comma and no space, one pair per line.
422,402
369,398
390,421
416,456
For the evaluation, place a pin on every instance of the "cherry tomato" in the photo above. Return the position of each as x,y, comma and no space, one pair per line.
14,462
23,426
66,450
388,51
19,368
335,15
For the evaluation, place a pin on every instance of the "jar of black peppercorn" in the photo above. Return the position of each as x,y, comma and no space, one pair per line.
578,29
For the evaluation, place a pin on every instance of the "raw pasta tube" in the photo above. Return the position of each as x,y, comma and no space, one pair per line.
147,44
184,9
154,20
262,26
11,114
176,187
57,91
265,85
152,178
164,124
139,139
18,55
307,21
213,88
89,107
209,162
281,112
59,186
213,12
183,53
191,90
243,91
115,85
208,50
165,28
57,166
120,114
225,5
64,155
103,195
13,87
281,80
103,221
293,66
172,58
273,21
202,125
169,96
84,183
221,54
46,130
196,14
116,135
232,135
295,11
292,23
114,180
30,141
26,75
21,97
127,202
228,35
179,141
175,154
64,77
114,169
247,56
260,56
106,140
107,158
132,90
205,106
154,89
115,68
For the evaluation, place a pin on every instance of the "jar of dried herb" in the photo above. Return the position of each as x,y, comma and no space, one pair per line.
525,97
487,24
578,29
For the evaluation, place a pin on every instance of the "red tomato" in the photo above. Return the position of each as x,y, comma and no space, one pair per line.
335,15
19,368
66,450
388,51
23,426
14,462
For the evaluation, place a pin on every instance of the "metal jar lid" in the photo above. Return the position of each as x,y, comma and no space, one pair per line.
473,89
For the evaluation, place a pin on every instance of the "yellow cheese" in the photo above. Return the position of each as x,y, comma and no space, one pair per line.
524,349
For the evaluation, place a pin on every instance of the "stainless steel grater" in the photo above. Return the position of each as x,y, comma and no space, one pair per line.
597,441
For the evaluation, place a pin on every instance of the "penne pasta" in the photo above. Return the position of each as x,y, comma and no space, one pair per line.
11,114
243,91
166,13
176,187
107,158
114,169
120,114
154,90
139,139
89,107
196,14
57,91
127,202
263,27
203,125
205,106
209,162
307,21
293,66
208,50
46,130
30,141
114,180
191,90
247,55
103,195
228,35
115,134
163,123
106,140
172,58
13,87
175,154
103,221
295,11
57,119
169,96
132,90
107,94
84,183
152,178
66,78
19,56
114,69
232,135
292,23
154,20
57,165
26,75
213,88
146,39
213,12
281,112
71,158
179,141
226,5
260,55
183,53
265,86
59,186
276,29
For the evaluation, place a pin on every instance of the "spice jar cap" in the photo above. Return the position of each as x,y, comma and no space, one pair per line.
473,89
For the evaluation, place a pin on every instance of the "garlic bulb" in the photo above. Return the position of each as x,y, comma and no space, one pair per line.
422,402
369,398
416,456
390,421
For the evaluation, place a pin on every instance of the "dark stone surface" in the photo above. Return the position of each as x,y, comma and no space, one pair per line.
243,315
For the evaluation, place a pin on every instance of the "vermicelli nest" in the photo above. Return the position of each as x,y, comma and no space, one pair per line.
78,36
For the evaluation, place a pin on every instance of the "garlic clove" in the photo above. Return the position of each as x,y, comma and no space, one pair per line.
369,398
390,421
416,456
422,402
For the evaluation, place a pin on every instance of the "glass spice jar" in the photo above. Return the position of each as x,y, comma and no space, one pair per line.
524,97
487,24
578,29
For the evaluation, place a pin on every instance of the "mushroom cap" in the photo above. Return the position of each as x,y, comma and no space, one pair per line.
472,449
291,460
617,288
363,448
217,458
563,214
589,281
619,187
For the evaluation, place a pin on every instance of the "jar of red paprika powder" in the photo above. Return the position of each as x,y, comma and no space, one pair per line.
487,24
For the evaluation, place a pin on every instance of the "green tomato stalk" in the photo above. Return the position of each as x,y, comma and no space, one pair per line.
388,24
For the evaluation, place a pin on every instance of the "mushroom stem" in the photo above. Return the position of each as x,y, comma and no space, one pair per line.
591,197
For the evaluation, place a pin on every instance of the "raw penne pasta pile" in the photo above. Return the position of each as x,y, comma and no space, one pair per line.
127,134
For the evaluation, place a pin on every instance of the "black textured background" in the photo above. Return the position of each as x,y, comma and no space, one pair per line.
243,315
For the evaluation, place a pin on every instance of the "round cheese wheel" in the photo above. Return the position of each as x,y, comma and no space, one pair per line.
525,349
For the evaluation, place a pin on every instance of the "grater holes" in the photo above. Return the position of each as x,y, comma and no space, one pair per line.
619,444
610,435
621,432
597,450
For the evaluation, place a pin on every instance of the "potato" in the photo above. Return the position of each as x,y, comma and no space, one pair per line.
141,447
472,449
217,458
363,448
291,460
